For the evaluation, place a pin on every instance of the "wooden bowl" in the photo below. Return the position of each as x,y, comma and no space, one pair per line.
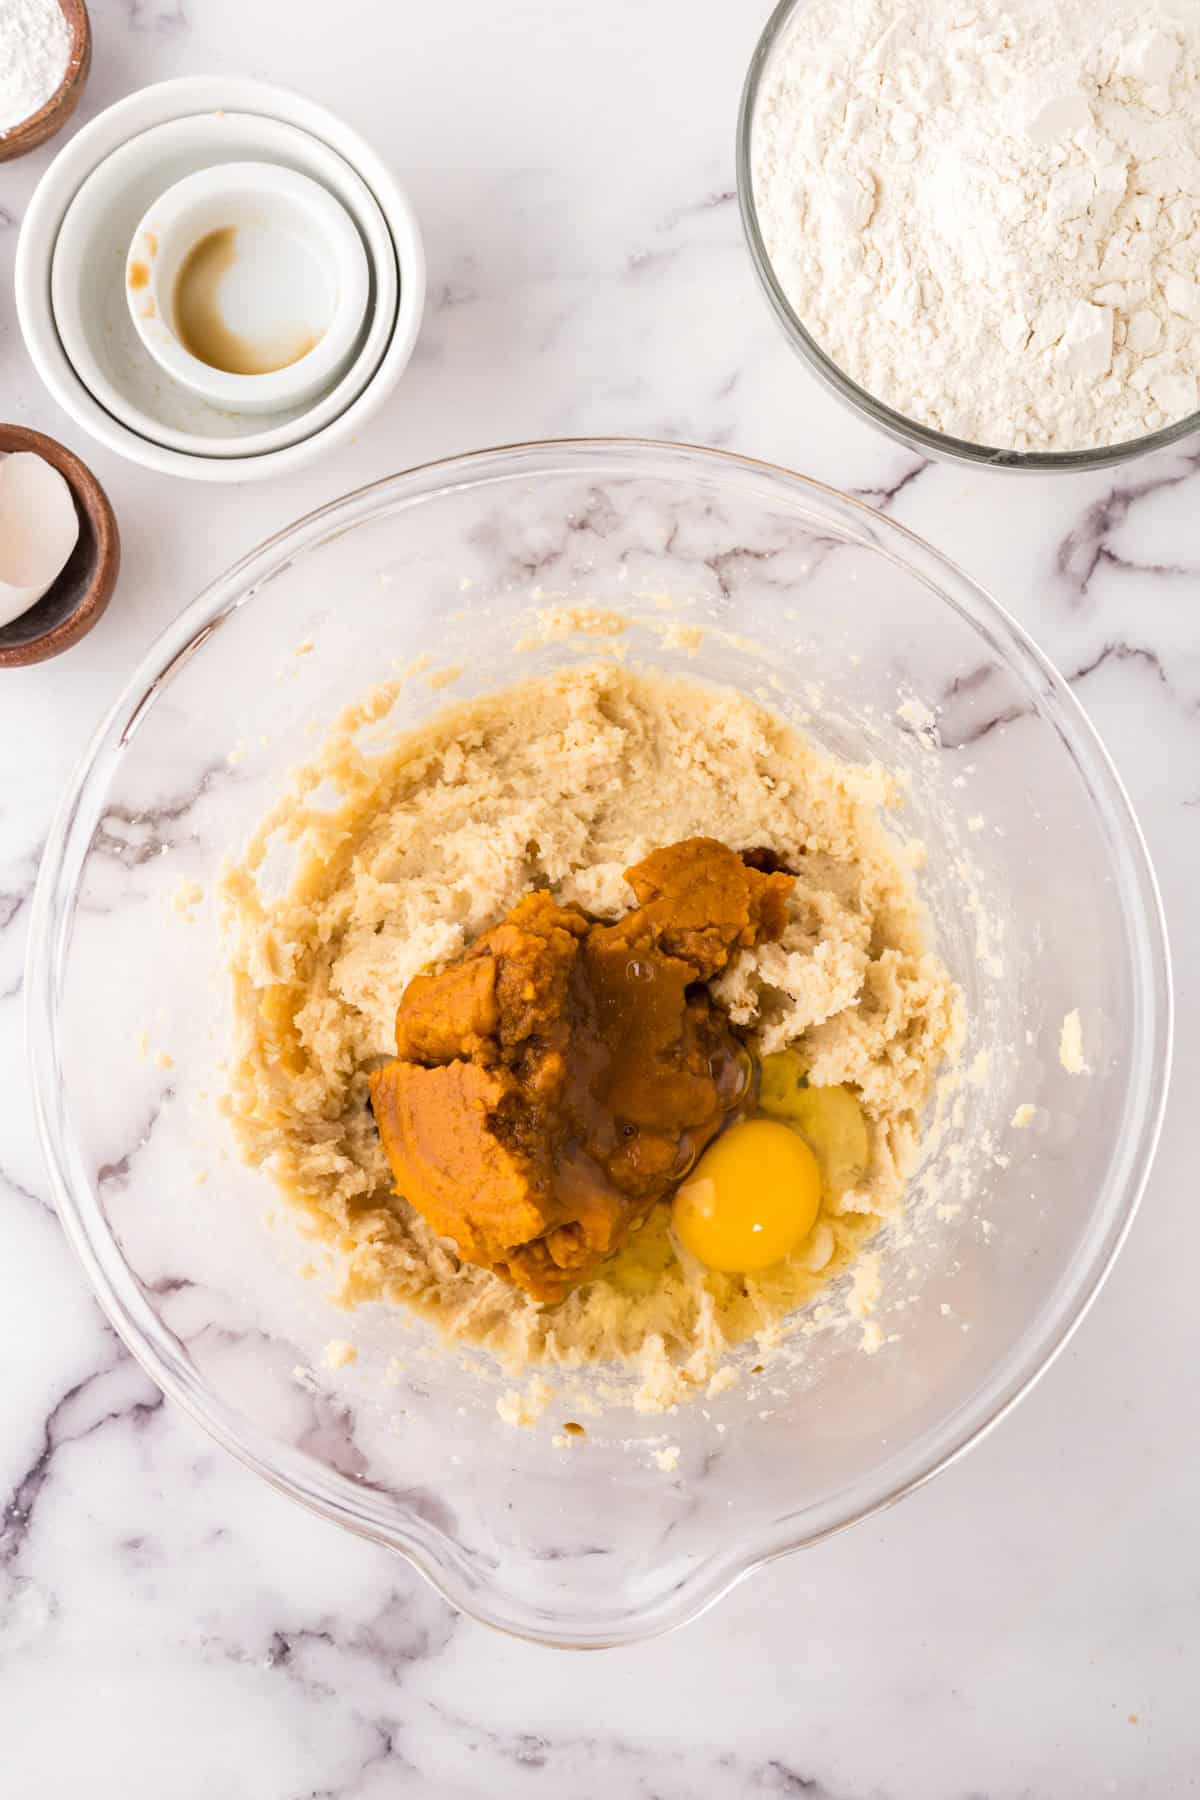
81,592
53,116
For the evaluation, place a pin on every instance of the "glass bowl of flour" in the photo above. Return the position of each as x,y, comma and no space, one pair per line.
457,580
984,234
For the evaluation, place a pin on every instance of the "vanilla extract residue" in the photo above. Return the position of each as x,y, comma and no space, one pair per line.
201,324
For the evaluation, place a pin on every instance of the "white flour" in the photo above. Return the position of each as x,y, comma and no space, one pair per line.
35,48
987,212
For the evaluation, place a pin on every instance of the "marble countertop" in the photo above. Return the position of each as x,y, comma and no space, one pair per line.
1021,1629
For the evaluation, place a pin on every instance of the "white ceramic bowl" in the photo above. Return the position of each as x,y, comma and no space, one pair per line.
301,278
87,297
153,106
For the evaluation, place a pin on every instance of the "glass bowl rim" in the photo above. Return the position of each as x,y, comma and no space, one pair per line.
315,1485
896,425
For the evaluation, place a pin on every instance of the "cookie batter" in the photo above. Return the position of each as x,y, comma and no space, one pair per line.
562,784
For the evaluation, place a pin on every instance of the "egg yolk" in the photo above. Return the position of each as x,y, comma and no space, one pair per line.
751,1199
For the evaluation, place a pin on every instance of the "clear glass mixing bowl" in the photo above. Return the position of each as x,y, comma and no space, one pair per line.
1041,899
788,17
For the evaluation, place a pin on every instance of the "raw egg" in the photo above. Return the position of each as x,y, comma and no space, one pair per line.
829,1119
751,1199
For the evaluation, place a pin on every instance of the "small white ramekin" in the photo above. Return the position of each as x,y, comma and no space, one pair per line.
330,297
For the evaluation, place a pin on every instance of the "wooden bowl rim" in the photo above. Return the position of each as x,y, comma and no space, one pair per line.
92,499
79,24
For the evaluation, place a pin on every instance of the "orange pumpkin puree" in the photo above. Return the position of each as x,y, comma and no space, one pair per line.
561,1077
